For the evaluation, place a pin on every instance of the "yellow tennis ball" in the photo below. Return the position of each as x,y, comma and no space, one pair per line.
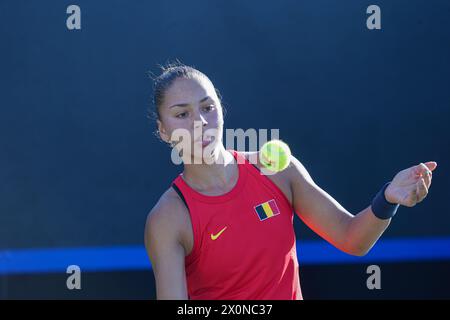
275,155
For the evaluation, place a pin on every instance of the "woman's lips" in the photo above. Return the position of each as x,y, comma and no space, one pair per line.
205,141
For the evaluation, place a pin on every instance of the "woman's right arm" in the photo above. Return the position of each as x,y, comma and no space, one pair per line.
163,231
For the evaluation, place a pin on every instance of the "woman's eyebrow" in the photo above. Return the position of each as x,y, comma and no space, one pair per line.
187,104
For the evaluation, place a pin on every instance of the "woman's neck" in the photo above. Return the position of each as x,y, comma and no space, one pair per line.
218,177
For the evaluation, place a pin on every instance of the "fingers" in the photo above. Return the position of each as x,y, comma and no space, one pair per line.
421,170
424,175
421,190
431,165
427,176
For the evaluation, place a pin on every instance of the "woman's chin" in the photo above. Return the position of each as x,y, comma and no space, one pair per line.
204,154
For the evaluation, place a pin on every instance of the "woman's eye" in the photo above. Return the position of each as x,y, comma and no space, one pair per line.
209,108
182,115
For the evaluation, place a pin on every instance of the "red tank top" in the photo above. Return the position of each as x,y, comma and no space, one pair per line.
244,240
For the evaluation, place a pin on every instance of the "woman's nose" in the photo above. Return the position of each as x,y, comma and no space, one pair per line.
200,121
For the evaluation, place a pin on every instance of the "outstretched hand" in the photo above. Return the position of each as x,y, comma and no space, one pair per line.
410,186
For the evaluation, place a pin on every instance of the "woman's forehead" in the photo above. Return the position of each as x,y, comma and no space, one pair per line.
184,90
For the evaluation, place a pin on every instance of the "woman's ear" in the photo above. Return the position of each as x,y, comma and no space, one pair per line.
162,132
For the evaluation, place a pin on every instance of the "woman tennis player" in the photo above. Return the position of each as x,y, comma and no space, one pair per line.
224,230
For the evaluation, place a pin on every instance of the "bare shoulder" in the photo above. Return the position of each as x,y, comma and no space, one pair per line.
166,245
168,220
281,179
298,174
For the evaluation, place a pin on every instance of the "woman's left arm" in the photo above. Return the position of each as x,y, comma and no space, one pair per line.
353,234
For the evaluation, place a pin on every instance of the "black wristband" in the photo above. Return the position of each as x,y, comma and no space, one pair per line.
381,207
